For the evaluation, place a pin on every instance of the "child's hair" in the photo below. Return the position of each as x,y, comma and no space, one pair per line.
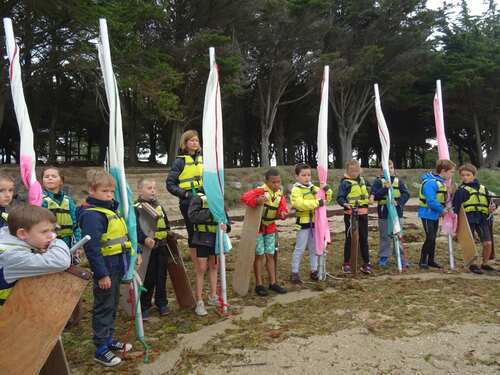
186,136
26,216
45,169
272,172
143,180
6,177
444,165
300,167
99,177
469,168
351,163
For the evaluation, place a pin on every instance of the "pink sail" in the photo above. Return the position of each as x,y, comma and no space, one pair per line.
321,229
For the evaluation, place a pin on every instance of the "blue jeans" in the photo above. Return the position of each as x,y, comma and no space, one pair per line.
106,302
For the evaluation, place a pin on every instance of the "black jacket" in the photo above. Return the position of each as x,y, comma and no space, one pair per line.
379,193
173,178
462,195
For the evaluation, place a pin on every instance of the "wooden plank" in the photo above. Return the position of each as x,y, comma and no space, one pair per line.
56,364
245,254
465,238
33,318
178,276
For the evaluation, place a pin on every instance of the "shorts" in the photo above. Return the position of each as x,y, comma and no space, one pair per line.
205,251
266,244
482,230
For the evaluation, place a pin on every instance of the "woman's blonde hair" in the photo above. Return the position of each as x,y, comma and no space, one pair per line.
186,136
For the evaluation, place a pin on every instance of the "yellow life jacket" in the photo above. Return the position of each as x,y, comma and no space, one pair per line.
358,196
115,240
211,226
191,176
478,200
441,194
6,292
269,213
305,218
62,213
161,225
396,193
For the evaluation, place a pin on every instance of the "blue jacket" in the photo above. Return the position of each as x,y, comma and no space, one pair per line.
95,224
58,197
429,190
461,195
379,192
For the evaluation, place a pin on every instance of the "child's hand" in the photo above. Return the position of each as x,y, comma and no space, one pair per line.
149,242
325,188
347,206
394,202
371,199
138,261
104,282
223,227
283,215
260,200
387,184
492,208
321,202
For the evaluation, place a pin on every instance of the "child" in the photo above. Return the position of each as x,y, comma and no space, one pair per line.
61,205
305,202
28,247
156,273
433,194
205,229
7,186
107,255
477,204
274,202
379,192
353,194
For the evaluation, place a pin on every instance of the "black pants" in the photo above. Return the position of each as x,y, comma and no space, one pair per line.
184,207
363,238
429,246
156,279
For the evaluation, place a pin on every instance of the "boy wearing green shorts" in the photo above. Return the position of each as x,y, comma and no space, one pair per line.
271,197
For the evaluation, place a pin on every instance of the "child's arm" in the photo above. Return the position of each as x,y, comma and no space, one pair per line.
20,264
430,192
282,211
460,196
94,224
378,190
76,229
196,213
141,236
173,179
250,197
299,203
344,189
405,194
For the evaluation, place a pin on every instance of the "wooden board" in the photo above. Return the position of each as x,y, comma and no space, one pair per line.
245,254
354,244
465,238
492,255
178,276
56,364
33,318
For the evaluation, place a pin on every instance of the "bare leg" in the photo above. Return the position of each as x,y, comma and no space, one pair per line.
257,268
270,268
212,275
201,268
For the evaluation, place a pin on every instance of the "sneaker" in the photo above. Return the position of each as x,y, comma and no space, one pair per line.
261,291
295,278
382,262
108,359
423,266
120,346
434,264
213,301
146,315
366,268
314,276
164,310
475,269
277,288
200,309
346,268
487,267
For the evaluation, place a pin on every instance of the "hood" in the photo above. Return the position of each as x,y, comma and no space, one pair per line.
8,240
298,184
431,176
92,202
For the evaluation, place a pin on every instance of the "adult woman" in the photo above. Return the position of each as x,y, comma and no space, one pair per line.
185,178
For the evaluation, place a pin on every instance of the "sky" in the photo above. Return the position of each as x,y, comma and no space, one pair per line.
476,7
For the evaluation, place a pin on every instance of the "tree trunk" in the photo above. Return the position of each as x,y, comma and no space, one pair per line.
52,136
173,146
493,157
477,139
345,145
264,145
152,143
280,143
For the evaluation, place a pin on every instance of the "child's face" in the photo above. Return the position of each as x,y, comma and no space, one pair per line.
467,177
51,180
304,177
6,192
353,171
391,169
103,193
39,236
148,190
274,183
447,175
193,144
